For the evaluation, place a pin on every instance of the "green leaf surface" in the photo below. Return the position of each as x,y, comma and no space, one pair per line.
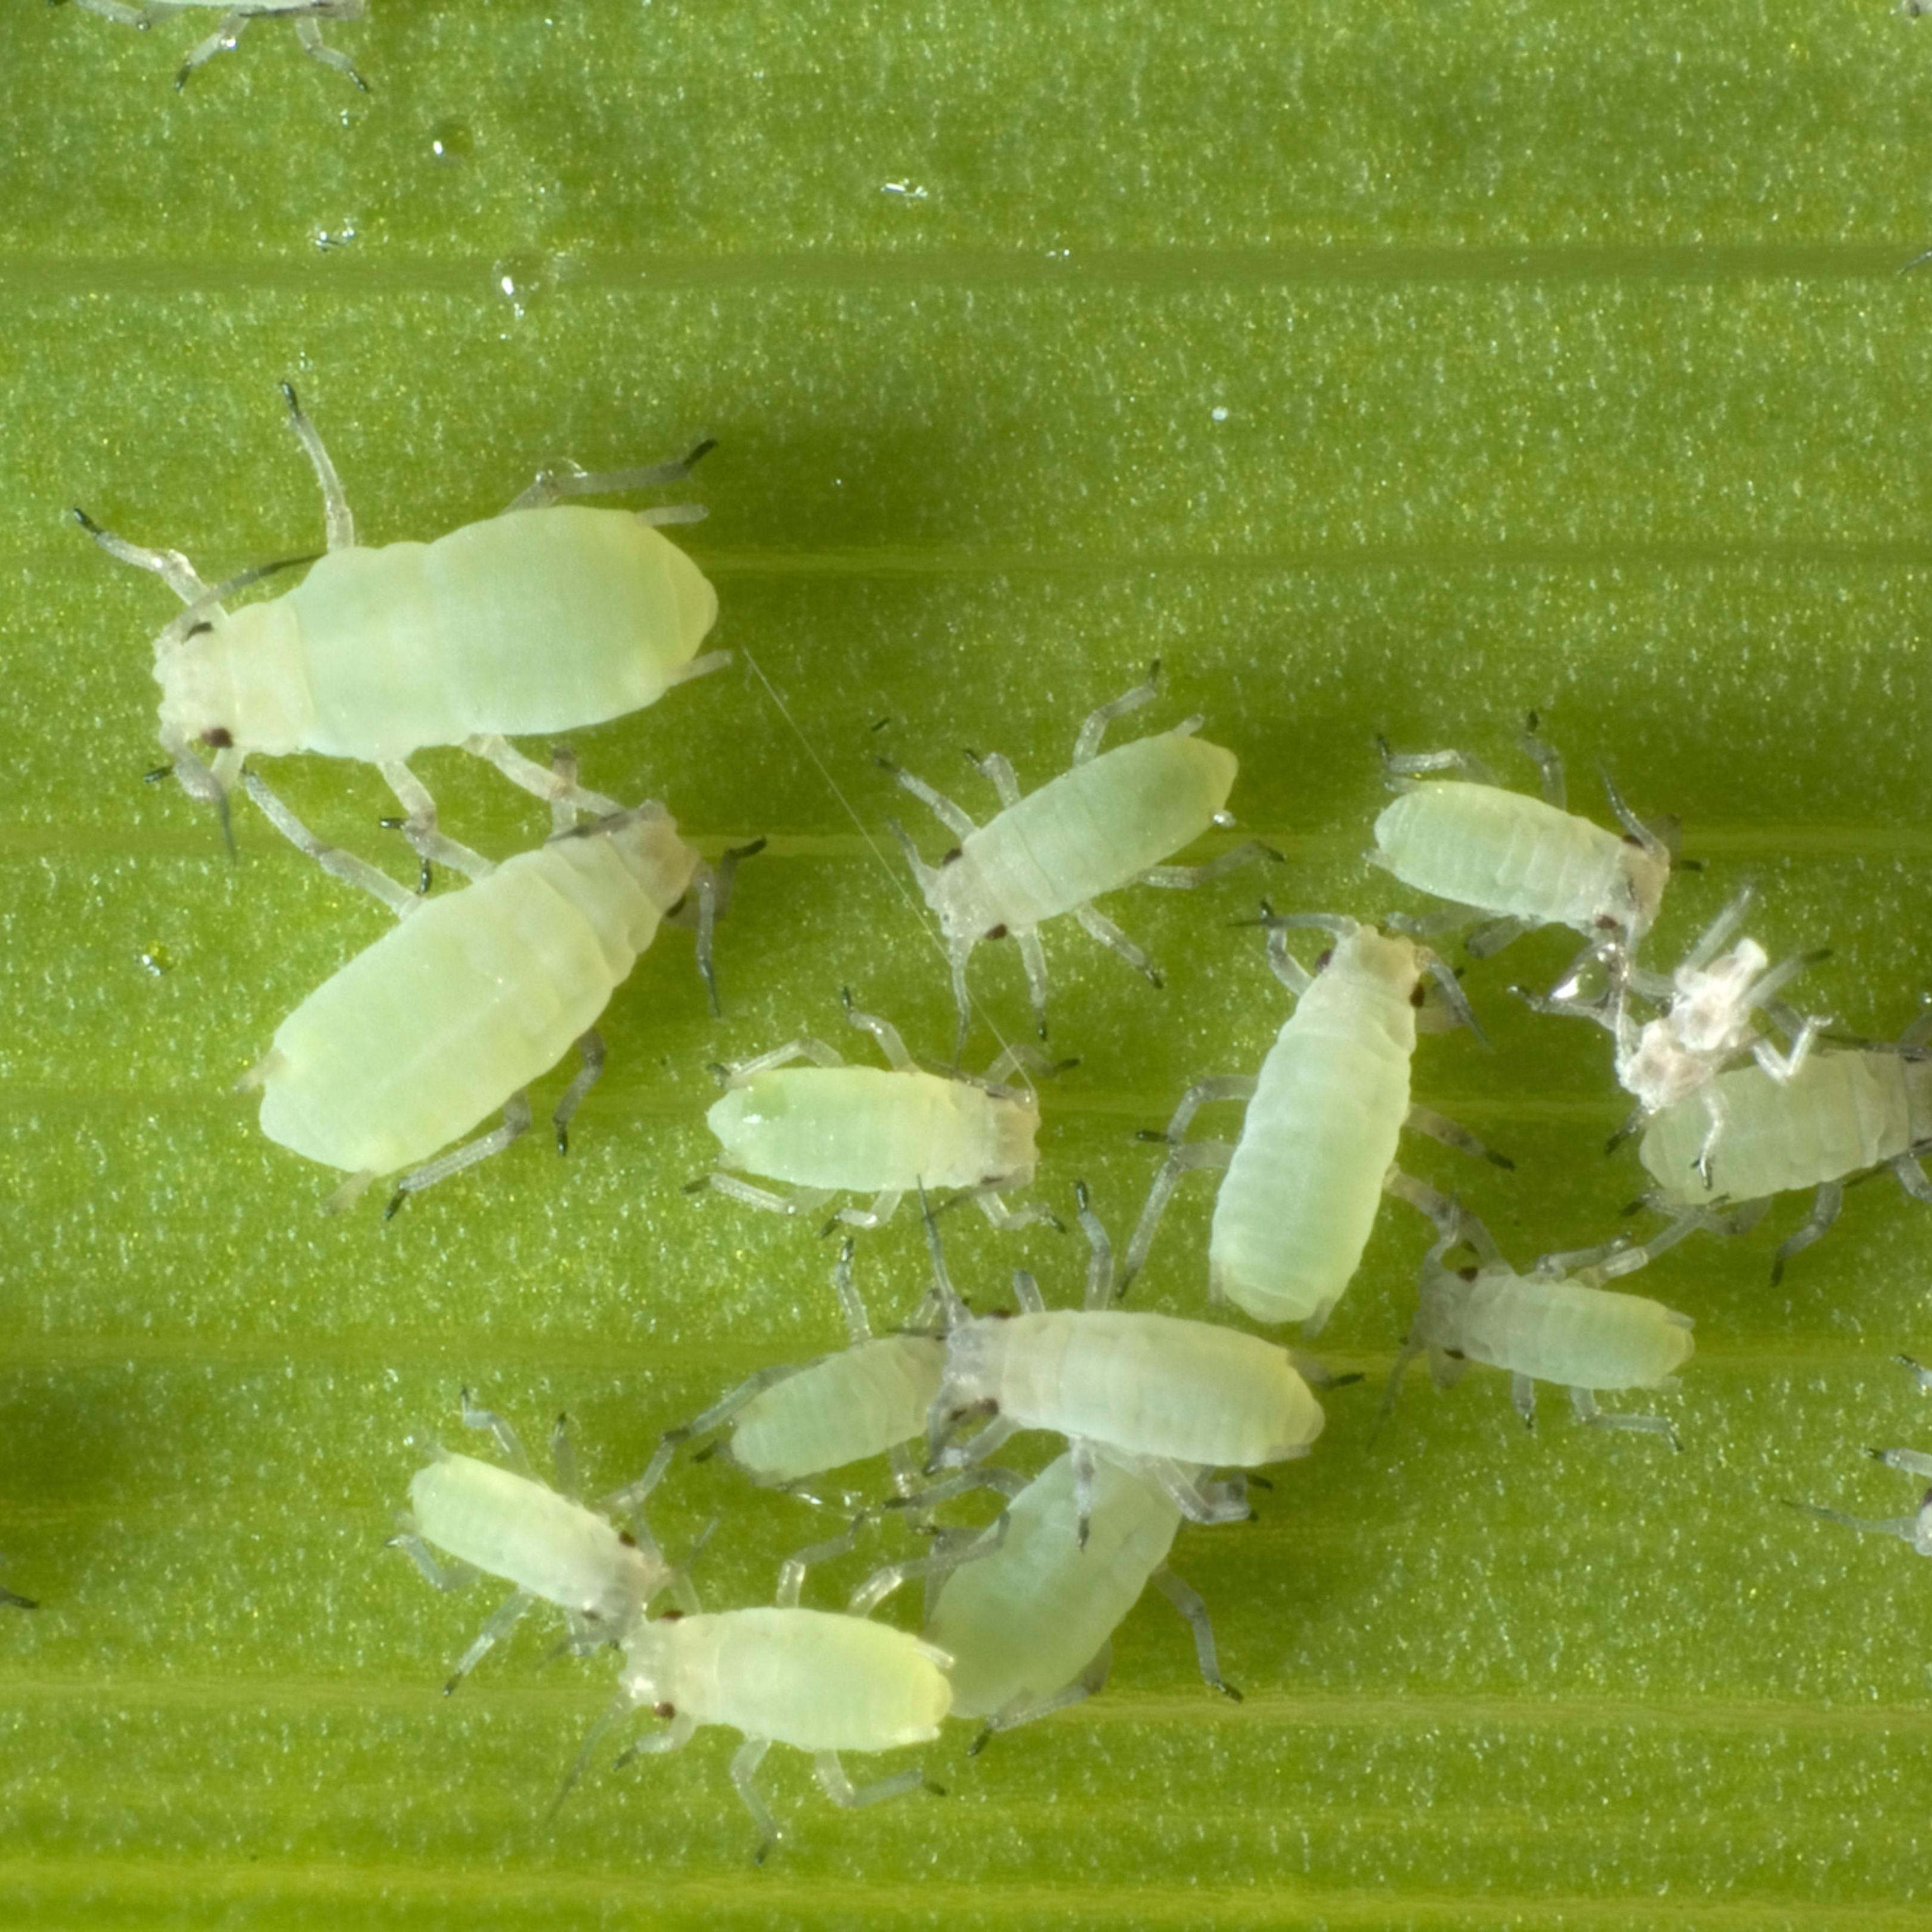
1391,368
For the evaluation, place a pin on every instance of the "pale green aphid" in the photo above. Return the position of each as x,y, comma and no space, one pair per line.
1526,861
1838,1115
1317,1147
828,1128
797,1421
1107,822
1156,1387
304,16
1553,1325
1027,1613
507,1522
1916,1528
472,995
547,616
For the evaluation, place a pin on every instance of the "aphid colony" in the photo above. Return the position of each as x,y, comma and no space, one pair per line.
551,615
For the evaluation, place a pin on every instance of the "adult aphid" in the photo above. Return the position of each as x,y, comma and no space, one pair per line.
547,616
1527,862
797,1420
1108,822
829,1128
1317,1147
507,1522
1555,1324
304,16
473,995
1916,1528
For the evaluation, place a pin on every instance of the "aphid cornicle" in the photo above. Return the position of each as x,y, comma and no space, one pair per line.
1107,822
1028,1614
305,16
1555,1324
1526,861
1914,1529
1317,1147
797,1420
829,1128
506,1523
472,995
547,616
1155,1388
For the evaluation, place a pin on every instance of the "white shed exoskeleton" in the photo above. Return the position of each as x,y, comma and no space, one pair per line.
1107,822
547,616
797,1421
472,995
1704,1024
829,1128
507,1522
1839,1115
818,1680
1028,1614
304,16
1916,1528
1527,862
1157,1388
1553,1325
1317,1149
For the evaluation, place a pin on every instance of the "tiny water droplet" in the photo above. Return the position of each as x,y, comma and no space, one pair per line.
450,144
521,280
157,959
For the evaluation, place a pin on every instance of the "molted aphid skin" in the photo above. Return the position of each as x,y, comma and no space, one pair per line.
1317,1148
1105,823
304,16
1027,1618
506,1523
468,999
829,1128
1526,860
1553,1325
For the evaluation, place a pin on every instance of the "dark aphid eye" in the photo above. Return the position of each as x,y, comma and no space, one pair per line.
664,1710
629,1541
1416,996
670,1616
995,932
219,738
1323,957
196,630
1456,1355
1467,1273
952,857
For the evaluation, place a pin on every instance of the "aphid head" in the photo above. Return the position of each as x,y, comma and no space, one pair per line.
235,683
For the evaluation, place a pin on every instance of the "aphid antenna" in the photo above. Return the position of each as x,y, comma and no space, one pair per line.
1100,1276
951,1308
1449,984
1658,839
613,1714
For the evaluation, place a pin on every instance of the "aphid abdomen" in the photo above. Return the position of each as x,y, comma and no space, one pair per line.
1554,1331
1097,826
1022,1623
856,1404
1839,1113
537,620
509,1526
813,1678
1503,852
1301,1196
1151,1385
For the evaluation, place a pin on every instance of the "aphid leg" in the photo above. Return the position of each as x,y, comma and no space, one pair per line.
1187,1600
628,1501
884,1031
116,9
948,813
1185,878
1584,1402
351,1191
437,1574
1095,727
1913,1529
539,781
997,770
858,1328
1424,1198
1924,1375
1493,935
563,1458
499,1626
1783,1067
16,1601
1646,836
1831,1197
1397,765
1202,1093
1182,1160
807,1200
1440,1127
516,1123
341,865
1033,958
1730,916
1913,1462
309,35
1592,1267
885,1205
1912,1177
791,1571
1548,762
945,1454
1212,1502
841,1789
509,1444
1100,1251
552,486
1409,1350
1446,1370
419,827
1917,1034
806,1046
339,520
1104,929
590,1048
698,667
1286,967
1029,1214
222,40
170,565
713,885
745,1762
1714,1129
1089,1681
1455,1009
1522,1393
1027,1296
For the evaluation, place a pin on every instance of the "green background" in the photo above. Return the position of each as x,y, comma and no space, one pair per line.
1390,368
